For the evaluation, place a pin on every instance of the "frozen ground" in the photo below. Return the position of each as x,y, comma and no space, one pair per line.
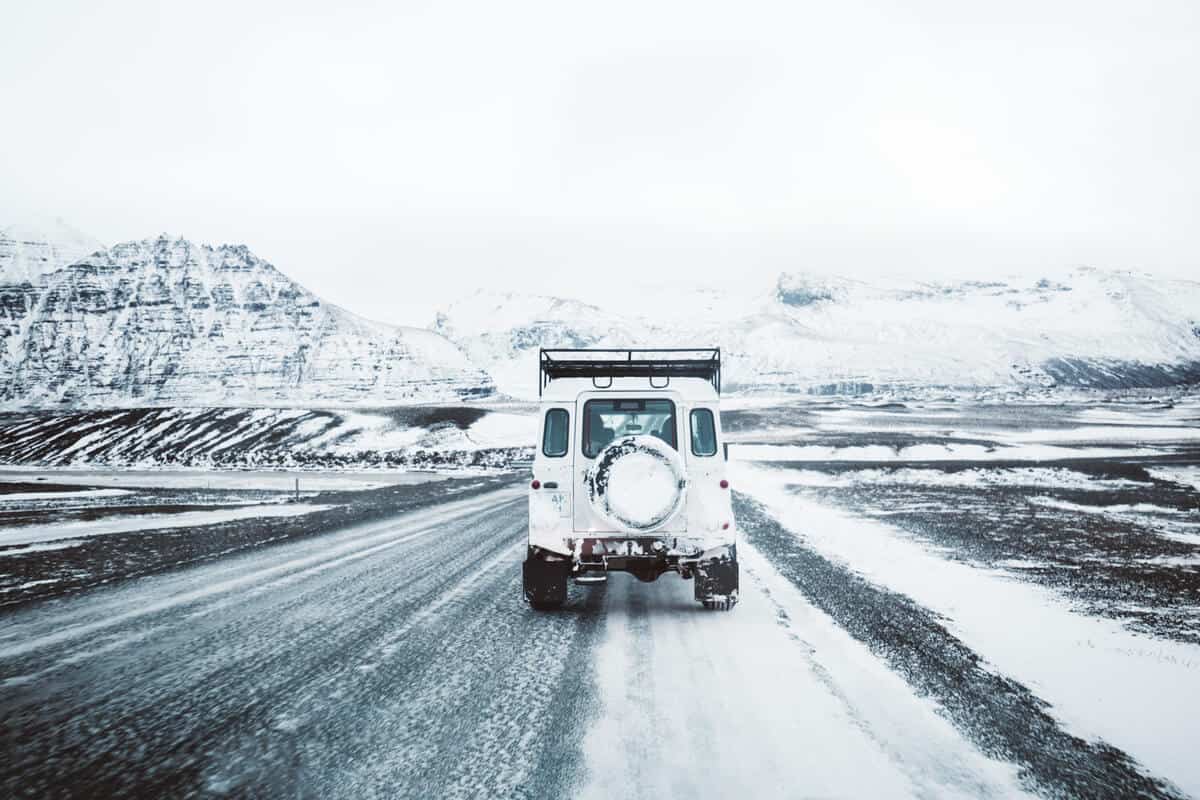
69,537
966,626
49,532
278,480
409,437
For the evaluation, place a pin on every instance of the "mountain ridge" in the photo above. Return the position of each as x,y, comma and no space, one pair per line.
815,334
32,248
165,320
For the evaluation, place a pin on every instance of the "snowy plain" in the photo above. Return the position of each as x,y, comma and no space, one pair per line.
1102,680
654,697
28,534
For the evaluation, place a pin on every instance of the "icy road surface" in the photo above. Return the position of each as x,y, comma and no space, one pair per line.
397,659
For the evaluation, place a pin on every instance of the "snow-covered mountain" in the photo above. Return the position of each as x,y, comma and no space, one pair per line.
31,249
501,332
166,321
807,333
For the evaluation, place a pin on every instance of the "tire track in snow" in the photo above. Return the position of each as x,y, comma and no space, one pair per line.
711,704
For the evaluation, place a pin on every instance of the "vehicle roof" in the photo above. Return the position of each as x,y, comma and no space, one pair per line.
567,390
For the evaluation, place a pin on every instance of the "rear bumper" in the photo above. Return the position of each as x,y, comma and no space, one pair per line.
645,557
653,553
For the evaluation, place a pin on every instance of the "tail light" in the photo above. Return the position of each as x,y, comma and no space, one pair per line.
536,484
724,483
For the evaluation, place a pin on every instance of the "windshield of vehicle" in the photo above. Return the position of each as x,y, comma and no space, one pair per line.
605,420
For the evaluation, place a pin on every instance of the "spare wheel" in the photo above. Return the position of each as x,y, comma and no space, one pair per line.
638,483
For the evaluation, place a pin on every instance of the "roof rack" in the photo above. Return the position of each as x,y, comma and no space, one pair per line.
652,363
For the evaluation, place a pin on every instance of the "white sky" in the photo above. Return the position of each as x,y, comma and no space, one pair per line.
392,156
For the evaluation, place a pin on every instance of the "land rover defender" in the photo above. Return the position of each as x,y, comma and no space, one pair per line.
629,474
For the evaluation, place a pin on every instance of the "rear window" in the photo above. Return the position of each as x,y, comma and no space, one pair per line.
704,433
605,420
554,436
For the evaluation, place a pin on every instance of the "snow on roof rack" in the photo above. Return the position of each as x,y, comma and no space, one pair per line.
647,362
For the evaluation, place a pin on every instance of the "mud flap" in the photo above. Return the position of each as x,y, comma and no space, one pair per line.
545,580
716,584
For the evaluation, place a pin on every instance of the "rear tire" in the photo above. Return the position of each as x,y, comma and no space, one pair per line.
545,578
716,586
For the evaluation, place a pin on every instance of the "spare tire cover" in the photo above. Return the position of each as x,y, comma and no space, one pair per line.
638,483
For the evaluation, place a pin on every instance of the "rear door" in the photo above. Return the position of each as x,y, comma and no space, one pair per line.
552,462
708,503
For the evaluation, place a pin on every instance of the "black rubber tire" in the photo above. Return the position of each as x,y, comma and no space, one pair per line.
716,582
545,581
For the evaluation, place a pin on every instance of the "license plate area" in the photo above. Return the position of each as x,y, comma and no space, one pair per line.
598,549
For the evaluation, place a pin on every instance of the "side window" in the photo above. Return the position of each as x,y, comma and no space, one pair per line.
704,433
554,436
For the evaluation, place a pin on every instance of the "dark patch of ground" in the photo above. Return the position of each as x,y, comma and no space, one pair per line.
895,440
461,417
926,416
17,519
744,420
71,507
20,487
1003,718
1105,374
114,557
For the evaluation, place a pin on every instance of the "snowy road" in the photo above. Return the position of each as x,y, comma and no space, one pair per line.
392,659
396,659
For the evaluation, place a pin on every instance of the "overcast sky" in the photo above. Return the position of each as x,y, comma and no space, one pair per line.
391,156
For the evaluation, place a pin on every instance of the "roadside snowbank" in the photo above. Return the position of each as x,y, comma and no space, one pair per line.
1134,691
86,494
183,478
801,708
1057,477
929,452
1187,475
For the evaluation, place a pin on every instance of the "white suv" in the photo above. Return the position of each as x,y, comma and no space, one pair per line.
629,473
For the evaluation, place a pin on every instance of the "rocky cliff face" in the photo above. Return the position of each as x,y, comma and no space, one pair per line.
166,321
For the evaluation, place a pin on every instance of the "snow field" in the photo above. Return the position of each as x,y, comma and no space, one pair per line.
929,452
28,534
1102,681
184,478
1056,477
